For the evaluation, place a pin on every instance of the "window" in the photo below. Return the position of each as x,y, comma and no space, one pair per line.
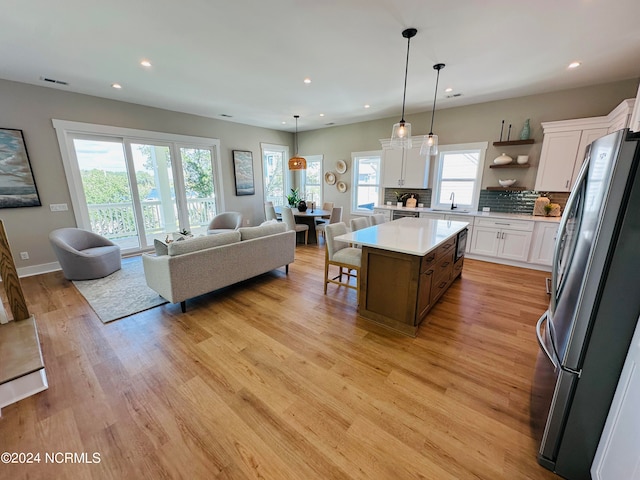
367,177
313,179
274,169
135,186
457,175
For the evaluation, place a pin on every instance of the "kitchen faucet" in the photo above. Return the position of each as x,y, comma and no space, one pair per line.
452,198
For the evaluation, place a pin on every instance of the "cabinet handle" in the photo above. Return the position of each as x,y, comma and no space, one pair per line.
500,223
444,265
498,235
502,236
442,285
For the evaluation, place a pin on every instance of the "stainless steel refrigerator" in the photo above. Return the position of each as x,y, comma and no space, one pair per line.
595,304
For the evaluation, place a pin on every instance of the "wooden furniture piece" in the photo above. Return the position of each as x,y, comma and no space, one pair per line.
22,371
308,218
407,265
289,220
343,256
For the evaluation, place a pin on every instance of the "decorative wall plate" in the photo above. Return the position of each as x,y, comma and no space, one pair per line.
342,187
330,178
341,166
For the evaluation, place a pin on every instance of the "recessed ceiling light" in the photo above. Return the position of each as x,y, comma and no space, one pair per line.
145,63
116,85
574,64
307,80
367,106
322,114
284,123
448,89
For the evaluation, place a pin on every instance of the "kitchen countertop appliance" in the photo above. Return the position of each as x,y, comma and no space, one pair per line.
595,304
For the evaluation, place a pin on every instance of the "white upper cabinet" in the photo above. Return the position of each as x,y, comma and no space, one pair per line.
634,123
565,143
404,168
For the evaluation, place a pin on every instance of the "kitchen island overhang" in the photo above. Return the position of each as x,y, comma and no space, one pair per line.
407,265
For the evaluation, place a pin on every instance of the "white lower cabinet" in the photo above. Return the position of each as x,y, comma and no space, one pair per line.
433,216
507,239
543,244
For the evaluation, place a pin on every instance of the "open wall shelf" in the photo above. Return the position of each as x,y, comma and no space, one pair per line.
507,189
510,165
514,142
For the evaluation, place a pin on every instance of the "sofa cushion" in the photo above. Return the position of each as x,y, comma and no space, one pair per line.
249,233
200,243
161,247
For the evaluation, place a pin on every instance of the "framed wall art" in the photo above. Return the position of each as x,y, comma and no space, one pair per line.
17,185
243,171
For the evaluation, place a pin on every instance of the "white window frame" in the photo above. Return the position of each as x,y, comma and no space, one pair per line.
285,168
67,130
315,159
481,148
355,156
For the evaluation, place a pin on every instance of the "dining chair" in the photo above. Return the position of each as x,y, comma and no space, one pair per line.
270,211
340,254
325,206
359,223
336,217
378,218
290,222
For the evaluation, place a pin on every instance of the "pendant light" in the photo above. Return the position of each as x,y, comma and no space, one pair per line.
430,143
401,133
296,162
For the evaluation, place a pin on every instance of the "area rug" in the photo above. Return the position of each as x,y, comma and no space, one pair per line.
120,294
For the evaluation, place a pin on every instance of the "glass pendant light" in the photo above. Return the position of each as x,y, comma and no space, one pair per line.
430,143
296,162
401,133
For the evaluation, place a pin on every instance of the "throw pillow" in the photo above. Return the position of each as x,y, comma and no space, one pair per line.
201,243
161,247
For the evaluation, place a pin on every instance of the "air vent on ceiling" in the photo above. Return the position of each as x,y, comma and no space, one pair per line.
226,115
454,95
53,80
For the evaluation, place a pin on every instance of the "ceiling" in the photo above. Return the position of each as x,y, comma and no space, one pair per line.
248,58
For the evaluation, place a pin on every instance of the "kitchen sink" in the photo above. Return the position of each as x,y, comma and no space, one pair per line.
448,210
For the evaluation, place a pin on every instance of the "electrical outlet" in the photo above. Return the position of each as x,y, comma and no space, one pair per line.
58,207
486,209
24,255
246,222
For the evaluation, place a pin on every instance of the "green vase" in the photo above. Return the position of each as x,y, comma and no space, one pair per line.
526,130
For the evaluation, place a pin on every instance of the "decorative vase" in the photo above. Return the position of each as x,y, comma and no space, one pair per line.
302,206
503,159
526,130
522,159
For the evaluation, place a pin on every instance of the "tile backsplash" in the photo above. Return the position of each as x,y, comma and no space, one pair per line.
422,195
517,202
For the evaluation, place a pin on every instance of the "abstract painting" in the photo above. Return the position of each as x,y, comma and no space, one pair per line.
17,185
243,170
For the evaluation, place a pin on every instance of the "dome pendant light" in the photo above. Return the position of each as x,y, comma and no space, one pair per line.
401,133
430,143
296,162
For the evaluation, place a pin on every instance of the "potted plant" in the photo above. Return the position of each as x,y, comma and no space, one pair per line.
293,198
400,198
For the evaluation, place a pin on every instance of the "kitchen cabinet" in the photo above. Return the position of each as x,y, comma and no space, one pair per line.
404,168
383,211
502,238
464,218
433,216
634,122
565,143
543,243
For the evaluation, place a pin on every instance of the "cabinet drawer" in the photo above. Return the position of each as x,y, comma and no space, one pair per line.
505,223
457,267
443,267
443,250
427,261
438,287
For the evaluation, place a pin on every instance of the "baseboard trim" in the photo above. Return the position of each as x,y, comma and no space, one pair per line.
502,261
38,269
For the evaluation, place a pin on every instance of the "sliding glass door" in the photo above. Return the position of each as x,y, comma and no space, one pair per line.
133,191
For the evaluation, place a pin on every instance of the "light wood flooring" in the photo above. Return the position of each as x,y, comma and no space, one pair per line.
271,379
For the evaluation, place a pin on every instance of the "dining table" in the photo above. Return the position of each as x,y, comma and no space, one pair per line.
308,217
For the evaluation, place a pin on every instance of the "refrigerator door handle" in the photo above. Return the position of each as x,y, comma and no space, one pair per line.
542,343
575,194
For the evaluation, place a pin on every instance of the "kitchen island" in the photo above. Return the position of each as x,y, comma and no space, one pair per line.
407,265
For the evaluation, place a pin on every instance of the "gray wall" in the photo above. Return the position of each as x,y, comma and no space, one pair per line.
31,108
474,123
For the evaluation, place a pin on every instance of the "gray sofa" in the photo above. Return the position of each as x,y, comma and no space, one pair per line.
203,264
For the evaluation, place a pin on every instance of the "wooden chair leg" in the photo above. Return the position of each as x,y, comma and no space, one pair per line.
306,237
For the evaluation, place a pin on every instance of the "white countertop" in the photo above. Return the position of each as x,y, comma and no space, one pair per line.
415,236
472,213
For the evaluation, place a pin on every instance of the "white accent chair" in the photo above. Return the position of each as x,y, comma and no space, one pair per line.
336,217
359,223
289,220
341,255
84,255
225,222
378,218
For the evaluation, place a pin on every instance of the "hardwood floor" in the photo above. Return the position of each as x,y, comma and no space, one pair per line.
272,379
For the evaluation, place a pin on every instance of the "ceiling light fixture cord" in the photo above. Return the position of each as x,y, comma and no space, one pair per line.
406,72
296,137
401,132
438,67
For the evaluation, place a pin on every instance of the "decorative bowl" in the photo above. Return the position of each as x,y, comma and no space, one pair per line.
506,183
503,159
